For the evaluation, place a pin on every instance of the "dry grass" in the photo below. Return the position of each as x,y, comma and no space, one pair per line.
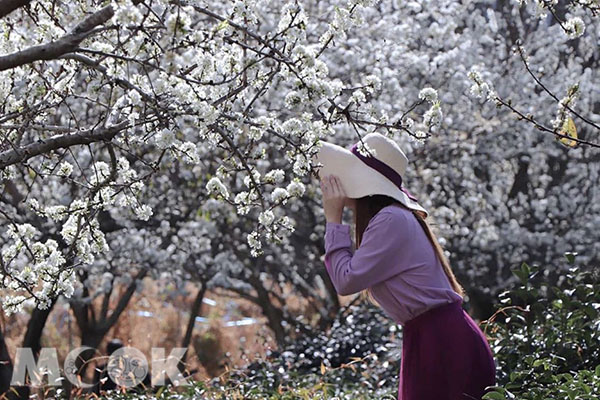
235,345
165,328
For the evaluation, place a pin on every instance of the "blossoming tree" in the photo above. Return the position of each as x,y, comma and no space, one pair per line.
173,138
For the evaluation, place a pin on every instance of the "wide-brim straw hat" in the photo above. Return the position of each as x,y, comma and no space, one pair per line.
360,175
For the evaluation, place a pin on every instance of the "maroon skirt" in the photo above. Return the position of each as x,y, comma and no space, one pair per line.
445,356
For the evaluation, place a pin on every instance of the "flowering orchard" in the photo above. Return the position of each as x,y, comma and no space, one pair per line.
110,112
173,139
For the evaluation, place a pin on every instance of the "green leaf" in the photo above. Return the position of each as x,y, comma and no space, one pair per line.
519,274
558,303
525,268
570,256
537,363
494,396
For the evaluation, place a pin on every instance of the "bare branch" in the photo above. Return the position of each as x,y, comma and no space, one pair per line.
66,44
521,51
529,118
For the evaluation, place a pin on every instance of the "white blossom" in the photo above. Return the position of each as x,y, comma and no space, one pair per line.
574,27
255,133
65,169
255,177
215,185
358,96
480,88
13,304
266,218
433,116
279,195
143,212
254,241
100,171
56,213
295,188
242,200
189,152
372,83
256,106
428,94
292,99
275,176
165,139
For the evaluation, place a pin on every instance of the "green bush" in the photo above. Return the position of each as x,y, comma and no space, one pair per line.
546,339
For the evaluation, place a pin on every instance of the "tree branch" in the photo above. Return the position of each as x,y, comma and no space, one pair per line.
529,118
42,127
66,44
96,65
8,6
17,155
124,300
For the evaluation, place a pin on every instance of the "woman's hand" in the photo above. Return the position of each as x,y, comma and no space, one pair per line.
334,198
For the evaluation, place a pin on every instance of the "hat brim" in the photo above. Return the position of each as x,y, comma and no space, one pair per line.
357,178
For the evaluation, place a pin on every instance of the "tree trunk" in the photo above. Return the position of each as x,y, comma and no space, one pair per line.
35,328
194,312
275,318
6,367
91,338
93,331
33,338
274,315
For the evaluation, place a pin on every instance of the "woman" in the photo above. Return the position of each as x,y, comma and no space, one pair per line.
400,265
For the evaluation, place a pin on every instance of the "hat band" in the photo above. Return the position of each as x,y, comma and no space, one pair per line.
382,168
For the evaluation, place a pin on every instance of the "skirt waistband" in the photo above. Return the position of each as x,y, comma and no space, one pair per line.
421,318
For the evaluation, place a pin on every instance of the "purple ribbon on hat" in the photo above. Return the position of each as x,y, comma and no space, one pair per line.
382,168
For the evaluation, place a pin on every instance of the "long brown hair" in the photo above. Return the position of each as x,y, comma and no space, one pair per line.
366,207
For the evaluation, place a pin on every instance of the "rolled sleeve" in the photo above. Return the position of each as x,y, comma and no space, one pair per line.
375,260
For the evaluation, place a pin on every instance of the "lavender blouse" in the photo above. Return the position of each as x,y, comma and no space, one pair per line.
395,259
